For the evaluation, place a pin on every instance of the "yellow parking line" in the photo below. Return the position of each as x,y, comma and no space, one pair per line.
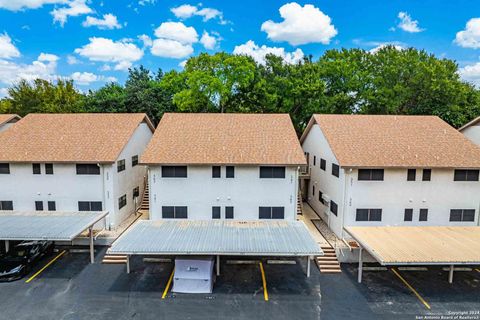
264,280
425,303
168,284
478,270
46,266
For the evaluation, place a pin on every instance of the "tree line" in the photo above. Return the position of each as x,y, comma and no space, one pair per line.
389,81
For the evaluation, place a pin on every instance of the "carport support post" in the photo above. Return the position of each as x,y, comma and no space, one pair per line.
128,263
360,265
7,246
450,274
308,266
92,252
218,266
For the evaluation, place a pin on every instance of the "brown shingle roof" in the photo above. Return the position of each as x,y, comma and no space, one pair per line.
81,137
396,141
4,118
243,139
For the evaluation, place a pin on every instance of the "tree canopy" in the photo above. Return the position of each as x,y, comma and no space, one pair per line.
388,81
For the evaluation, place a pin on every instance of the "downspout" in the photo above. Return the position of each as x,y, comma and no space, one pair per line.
104,203
344,198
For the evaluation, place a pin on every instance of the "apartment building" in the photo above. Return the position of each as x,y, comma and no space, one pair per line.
74,162
224,166
379,170
7,120
472,130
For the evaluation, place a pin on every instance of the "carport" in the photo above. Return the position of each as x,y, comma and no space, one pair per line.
217,238
409,246
48,226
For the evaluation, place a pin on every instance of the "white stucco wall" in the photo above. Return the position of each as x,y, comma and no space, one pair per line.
200,192
131,177
316,145
393,195
473,133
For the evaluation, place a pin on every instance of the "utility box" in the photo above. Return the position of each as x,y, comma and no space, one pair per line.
193,275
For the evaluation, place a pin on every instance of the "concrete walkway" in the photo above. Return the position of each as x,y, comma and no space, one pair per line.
308,215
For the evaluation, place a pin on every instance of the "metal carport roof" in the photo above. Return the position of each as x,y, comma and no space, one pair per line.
220,237
46,225
419,245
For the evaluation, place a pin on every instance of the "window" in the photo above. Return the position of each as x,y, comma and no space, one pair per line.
271,212
174,212
4,168
464,215
136,192
89,206
411,174
36,168
466,175
122,201
120,165
215,212
323,164
427,175
333,207
51,206
216,172
370,174
408,216
134,160
39,205
314,160
230,172
48,168
369,215
335,170
423,215
228,212
320,197
272,172
6,205
88,169
174,171
313,191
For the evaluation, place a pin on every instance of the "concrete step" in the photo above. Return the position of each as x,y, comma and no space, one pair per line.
328,262
115,261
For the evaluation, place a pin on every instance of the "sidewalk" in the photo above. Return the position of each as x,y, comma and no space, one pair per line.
308,215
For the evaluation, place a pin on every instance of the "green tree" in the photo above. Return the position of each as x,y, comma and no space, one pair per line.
109,98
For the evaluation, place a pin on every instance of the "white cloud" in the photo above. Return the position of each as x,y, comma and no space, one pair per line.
109,21
122,53
7,48
300,25
182,63
44,67
208,41
147,41
86,78
170,49
74,8
177,31
146,2
15,5
184,11
471,73
470,37
407,24
3,92
258,53
383,45
72,60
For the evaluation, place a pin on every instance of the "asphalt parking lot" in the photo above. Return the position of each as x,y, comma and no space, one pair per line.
71,288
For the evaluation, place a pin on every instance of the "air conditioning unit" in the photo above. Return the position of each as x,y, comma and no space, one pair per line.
326,198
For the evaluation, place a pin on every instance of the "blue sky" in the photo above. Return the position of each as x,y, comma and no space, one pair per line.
96,41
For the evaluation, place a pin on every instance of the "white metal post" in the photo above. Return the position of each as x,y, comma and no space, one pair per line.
7,246
92,252
308,267
218,266
128,264
360,265
450,274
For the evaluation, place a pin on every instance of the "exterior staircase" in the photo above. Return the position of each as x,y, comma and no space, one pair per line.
299,203
328,263
145,205
114,259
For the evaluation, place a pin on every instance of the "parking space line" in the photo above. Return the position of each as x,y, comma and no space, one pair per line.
169,282
425,303
264,280
478,270
46,266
